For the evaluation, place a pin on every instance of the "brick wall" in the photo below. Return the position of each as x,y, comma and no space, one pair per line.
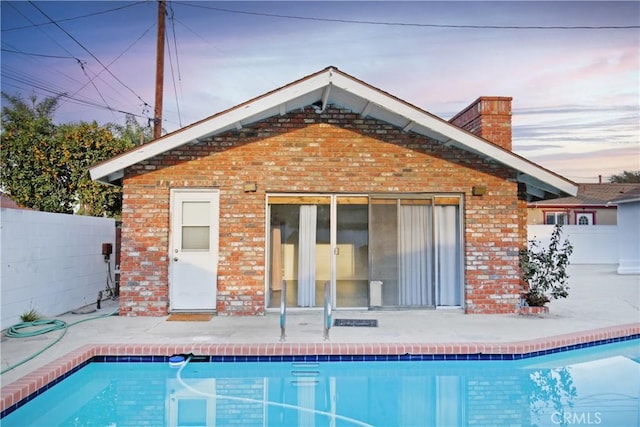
334,152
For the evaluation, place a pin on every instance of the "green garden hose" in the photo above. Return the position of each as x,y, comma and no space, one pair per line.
51,325
43,326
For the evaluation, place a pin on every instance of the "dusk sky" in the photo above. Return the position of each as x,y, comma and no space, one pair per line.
576,91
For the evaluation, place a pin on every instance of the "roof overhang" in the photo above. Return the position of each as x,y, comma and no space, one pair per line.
333,87
623,201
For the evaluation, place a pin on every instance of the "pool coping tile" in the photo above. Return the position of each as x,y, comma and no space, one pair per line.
14,393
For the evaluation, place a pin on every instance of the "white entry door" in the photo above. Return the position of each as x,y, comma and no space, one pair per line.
193,250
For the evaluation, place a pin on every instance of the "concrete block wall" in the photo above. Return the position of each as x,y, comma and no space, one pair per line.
51,262
592,244
336,151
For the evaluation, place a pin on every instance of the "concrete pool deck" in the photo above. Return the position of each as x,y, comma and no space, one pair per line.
601,305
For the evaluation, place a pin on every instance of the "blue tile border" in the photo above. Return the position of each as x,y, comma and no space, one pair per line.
363,357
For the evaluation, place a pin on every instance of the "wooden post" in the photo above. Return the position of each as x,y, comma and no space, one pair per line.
157,115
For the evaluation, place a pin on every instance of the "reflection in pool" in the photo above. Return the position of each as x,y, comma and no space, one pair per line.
595,386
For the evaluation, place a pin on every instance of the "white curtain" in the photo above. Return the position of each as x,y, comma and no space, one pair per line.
415,265
307,256
448,256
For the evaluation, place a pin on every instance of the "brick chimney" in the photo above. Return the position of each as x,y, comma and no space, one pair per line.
489,117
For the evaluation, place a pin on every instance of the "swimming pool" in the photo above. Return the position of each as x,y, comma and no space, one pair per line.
591,386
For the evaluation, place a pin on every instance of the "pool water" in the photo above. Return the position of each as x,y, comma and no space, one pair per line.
595,386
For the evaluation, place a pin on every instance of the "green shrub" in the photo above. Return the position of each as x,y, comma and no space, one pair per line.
545,269
30,316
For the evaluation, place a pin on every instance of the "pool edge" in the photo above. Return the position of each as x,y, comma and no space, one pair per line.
15,392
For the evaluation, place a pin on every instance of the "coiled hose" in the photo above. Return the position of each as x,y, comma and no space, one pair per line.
43,326
52,325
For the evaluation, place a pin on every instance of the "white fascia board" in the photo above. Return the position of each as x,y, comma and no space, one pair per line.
469,141
229,119
276,99
623,201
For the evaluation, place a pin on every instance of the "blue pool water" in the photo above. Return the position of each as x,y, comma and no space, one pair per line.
595,386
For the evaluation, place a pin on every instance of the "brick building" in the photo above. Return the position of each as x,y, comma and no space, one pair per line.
327,179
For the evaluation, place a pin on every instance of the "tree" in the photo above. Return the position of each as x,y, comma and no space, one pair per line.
132,132
87,144
626,177
32,164
45,167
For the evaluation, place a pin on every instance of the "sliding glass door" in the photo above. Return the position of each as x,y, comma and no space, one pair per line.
375,251
319,239
415,251
299,249
352,251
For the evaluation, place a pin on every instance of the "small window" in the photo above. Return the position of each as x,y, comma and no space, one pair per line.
553,218
195,225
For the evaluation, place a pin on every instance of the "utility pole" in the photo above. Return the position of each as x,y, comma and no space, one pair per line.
157,115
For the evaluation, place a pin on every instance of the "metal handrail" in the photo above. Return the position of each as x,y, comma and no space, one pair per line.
327,309
283,310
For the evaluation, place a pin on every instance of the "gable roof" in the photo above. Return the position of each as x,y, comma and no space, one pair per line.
593,195
334,87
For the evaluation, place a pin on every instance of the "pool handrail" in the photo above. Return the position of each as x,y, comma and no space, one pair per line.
327,309
283,311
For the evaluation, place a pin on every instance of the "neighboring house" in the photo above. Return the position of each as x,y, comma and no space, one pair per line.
589,207
327,179
629,231
7,202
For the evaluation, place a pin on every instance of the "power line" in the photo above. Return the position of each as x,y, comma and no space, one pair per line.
173,77
38,54
66,97
175,42
89,52
51,92
59,45
42,31
32,82
94,86
114,60
70,19
47,88
50,69
408,24
82,66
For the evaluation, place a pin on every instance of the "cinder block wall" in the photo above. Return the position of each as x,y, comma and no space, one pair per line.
51,262
335,151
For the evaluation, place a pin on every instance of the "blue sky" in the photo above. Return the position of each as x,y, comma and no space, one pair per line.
576,92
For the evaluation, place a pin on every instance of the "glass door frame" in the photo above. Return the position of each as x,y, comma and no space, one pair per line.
333,243
436,199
